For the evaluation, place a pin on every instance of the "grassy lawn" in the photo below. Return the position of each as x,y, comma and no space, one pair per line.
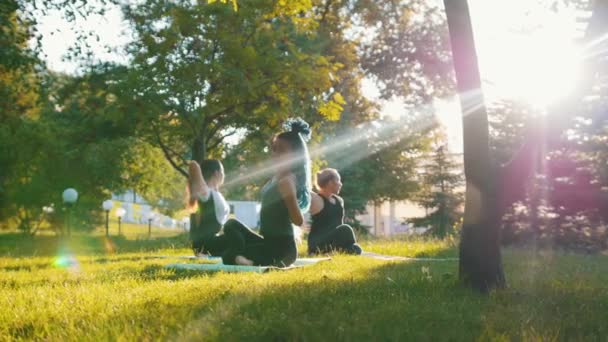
116,289
138,231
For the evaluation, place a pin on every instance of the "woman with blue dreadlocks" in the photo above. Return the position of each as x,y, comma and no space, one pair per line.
285,199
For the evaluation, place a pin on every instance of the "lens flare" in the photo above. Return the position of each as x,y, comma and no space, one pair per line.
65,260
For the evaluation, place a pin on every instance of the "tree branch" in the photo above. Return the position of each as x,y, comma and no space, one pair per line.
220,139
325,11
167,152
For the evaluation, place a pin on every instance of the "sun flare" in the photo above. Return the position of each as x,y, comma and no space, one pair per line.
537,70
526,53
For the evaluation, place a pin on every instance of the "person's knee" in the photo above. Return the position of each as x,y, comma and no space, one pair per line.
355,249
231,227
230,224
346,233
345,228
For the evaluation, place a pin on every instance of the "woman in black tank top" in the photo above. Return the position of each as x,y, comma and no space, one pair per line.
211,207
284,199
328,231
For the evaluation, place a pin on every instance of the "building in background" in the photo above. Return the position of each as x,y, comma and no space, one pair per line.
388,218
138,210
247,212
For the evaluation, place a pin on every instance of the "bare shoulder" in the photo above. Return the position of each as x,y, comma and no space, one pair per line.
287,185
316,203
315,196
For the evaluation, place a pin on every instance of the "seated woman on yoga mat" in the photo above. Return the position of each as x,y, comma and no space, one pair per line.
328,231
211,208
284,199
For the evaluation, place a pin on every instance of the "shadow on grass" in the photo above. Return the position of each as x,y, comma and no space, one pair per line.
28,267
351,298
19,245
399,301
159,272
393,302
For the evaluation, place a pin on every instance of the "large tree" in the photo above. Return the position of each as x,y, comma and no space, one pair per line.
19,96
491,188
388,56
200,71
480,259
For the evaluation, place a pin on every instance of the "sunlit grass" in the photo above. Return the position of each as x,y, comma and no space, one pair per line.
412,247
127,294
138,231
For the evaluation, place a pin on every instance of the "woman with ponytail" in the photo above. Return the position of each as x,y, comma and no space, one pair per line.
209,206
285,199
328,232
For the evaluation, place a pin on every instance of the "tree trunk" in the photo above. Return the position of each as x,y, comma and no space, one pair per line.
480,259
199,149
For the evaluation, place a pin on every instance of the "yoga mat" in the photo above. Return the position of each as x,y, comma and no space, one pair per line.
400,258
191,257
238,268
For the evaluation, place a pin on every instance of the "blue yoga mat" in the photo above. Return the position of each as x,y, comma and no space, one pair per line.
191,257
216,267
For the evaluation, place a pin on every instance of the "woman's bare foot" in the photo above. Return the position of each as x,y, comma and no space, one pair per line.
241,260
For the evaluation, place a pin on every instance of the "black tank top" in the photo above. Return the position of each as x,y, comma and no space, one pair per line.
206,219
330,217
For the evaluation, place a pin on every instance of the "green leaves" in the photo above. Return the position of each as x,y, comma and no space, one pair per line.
234,3
332,109
218,70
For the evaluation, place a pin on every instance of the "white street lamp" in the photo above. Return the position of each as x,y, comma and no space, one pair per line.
70,196
107,206
120,212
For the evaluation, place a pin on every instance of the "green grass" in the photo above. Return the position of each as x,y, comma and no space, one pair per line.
138,231
117,290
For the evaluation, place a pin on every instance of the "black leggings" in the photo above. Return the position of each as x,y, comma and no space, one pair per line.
340,239
262,250
212,244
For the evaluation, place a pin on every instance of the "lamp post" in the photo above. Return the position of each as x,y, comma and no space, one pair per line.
70,196
150,218
107,206
120,212
48,211
185,221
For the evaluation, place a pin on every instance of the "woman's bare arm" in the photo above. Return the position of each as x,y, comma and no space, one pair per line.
287,188
198,186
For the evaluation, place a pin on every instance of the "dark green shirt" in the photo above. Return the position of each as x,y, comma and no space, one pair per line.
274,215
